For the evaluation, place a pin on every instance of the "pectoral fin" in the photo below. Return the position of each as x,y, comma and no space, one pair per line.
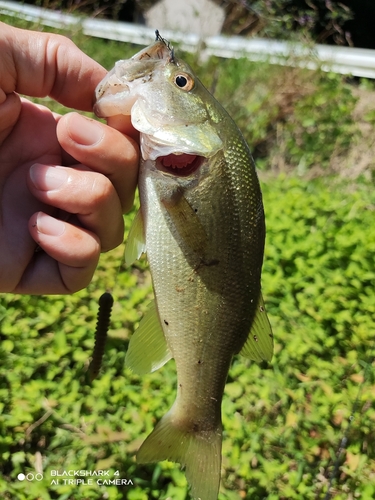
135,244
187,224
259,344
148,348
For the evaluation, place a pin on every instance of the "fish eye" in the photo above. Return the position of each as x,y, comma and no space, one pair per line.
184,81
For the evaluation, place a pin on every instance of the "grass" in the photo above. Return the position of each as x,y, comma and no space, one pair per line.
282,422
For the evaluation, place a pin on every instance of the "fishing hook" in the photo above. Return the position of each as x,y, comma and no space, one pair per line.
159,38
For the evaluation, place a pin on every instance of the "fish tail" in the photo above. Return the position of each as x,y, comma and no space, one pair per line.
199,452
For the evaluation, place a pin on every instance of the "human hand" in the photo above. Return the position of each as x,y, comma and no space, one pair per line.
64,181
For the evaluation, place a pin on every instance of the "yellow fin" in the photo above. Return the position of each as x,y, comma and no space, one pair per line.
135,244
199,452
259,344
148,348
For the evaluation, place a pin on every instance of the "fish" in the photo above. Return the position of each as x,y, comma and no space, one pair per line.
201,223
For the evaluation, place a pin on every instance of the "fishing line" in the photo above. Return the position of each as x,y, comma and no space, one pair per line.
344,440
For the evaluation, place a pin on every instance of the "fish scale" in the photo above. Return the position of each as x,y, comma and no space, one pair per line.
202,226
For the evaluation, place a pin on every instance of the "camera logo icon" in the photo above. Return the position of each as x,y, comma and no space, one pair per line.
30,476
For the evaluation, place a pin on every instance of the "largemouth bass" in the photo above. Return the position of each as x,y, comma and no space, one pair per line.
201,223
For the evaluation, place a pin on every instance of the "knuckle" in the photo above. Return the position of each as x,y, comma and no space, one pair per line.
101,191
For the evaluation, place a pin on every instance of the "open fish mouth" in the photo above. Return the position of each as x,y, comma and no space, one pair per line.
179,165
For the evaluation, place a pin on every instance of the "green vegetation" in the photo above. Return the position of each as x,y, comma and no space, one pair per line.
289,19
283,422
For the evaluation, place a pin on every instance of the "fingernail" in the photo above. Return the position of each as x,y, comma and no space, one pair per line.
48,225
47,178
83,130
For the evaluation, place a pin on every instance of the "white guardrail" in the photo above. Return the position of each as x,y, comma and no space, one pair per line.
344,60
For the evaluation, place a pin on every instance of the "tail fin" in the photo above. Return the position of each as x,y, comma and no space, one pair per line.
199,452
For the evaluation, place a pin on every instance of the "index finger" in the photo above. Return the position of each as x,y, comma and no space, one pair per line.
103,149
44,64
